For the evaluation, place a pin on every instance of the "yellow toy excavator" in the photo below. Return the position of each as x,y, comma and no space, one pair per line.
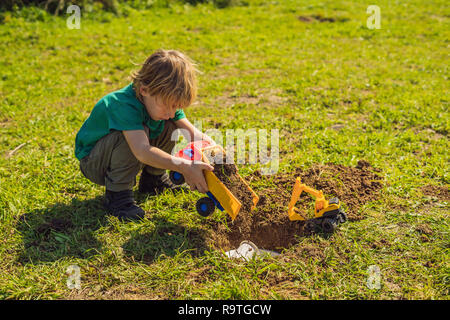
327,214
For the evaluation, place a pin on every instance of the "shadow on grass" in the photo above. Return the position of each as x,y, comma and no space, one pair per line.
62,230
68,230
165,239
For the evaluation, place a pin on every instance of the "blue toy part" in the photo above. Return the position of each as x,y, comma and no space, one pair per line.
204,207
177,175
176,178
216,203
189,153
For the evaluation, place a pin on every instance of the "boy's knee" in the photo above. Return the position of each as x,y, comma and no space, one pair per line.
111,160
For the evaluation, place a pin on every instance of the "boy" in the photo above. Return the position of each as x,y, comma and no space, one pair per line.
130,129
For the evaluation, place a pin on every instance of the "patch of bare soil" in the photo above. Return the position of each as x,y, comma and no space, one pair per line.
439,192
321,18
269,227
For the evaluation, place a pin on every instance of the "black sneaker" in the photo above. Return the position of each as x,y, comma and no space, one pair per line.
122,205
153,184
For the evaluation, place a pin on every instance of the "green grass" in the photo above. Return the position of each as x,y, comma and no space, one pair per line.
262,68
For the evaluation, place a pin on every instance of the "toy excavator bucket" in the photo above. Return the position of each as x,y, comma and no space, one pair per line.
228,201
299,187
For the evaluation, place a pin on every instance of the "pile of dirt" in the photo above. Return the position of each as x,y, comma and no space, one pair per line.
353,186
268,225
228,174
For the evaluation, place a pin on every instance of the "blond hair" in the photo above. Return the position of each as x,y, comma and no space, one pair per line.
170,75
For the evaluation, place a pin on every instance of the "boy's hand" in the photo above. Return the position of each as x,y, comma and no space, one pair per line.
193,175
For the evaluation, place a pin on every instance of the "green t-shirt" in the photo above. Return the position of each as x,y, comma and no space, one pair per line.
118,110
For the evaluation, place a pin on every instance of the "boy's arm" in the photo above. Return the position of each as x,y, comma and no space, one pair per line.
194,133
155,157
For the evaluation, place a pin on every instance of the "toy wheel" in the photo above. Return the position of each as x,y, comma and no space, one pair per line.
329,225
342,216
310,226
176,178
205,206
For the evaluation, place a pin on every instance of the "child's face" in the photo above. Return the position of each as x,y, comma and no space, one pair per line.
156,108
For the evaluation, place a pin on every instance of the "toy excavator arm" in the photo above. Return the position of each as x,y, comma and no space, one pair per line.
316,193
293,212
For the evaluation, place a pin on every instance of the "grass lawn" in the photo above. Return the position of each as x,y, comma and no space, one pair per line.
338,92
